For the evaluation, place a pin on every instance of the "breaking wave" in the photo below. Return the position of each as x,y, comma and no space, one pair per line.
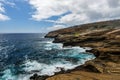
42,57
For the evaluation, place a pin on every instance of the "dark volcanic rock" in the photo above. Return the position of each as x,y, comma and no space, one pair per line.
37,77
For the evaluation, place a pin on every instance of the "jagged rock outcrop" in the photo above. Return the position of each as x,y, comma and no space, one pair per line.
37,77
104,39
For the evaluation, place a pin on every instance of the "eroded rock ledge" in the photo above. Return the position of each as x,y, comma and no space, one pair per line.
104,39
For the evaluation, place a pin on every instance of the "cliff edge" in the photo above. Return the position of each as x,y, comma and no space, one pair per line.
104,39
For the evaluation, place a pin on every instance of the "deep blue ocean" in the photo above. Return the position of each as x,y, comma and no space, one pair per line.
22,55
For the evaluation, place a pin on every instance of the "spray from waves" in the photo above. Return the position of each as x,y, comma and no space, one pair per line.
50,45
65,58
50,69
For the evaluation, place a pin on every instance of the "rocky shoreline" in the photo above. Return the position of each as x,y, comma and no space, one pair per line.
103,38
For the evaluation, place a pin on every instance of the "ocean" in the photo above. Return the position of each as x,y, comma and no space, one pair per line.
22,55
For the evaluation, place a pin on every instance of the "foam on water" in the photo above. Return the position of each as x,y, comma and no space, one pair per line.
32,66
49,45
8,75
50,69
44,69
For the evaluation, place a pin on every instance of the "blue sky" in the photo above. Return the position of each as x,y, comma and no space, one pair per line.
36,16
20,21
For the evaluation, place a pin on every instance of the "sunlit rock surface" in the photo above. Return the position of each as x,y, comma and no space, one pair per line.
104,39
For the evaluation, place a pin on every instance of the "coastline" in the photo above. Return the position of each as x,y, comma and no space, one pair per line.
63,70
103,38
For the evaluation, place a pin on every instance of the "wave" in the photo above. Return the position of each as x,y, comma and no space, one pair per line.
8,75
51,69
66,58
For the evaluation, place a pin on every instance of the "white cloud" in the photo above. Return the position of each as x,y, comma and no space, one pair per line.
73,19
79,11
47,8
56,27
3,17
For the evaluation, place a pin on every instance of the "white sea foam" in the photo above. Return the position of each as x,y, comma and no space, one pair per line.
56,66
47,69
51,41
31,67
8,75
50,46
42,69
50,69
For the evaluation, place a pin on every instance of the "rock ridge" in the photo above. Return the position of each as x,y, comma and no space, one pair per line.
104,39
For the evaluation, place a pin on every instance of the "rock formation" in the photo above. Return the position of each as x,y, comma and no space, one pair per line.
104,39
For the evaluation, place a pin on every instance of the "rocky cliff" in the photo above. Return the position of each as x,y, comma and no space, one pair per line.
104,39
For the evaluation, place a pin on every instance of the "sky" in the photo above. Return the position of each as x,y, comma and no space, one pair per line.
38,16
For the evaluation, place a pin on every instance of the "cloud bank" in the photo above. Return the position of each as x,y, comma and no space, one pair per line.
73,12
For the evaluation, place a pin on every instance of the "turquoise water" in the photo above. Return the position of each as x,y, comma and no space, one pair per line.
22,55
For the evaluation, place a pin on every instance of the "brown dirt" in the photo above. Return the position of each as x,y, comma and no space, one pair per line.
83,75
